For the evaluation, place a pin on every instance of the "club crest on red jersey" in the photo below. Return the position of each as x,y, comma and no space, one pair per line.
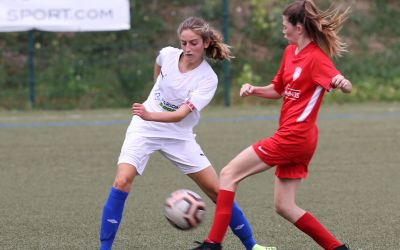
296,73
292,93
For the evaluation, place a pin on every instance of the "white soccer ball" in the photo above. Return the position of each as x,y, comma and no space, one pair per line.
184,209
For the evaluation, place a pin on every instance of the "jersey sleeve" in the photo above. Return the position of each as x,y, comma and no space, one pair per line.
323,70
278,79
200,97
163,54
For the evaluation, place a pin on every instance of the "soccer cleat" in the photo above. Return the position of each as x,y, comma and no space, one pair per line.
208,246
343,247
258,247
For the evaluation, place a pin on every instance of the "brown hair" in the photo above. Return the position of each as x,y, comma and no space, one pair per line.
217,49
321,26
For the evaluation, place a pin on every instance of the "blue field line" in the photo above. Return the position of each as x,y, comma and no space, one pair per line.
239,119
321,117
63,124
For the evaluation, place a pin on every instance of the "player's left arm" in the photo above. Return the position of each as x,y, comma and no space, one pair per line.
174,116
342,83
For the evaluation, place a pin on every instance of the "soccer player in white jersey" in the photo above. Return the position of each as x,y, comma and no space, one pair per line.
184,84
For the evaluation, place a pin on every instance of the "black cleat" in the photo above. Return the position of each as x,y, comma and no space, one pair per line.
208,246
343,247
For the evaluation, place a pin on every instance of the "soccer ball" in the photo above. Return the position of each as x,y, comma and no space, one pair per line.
184,209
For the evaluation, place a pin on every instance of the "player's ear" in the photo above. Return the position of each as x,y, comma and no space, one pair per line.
300,28
206,43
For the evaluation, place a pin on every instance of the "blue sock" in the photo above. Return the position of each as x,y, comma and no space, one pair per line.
241,227
112,215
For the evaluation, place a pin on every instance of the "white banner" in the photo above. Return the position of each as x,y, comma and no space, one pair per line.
64,15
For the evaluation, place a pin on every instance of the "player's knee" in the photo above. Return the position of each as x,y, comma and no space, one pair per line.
123,183
227,177
279,209
283,208
225,174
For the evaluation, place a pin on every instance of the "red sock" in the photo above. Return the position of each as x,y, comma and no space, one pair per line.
311,226
222,216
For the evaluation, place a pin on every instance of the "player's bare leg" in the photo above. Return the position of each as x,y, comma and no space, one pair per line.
124,177
284,199
245,164
207,180
285,205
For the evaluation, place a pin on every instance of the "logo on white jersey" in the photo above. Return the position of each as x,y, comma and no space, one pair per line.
168,106
296,73
157,96
162,75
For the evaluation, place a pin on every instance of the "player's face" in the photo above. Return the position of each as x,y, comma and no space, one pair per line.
290,31
193,46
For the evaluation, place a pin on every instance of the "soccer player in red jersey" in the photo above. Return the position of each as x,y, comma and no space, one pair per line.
305,74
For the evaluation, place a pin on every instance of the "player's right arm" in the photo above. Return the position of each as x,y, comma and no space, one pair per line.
174,116
157,70
268,91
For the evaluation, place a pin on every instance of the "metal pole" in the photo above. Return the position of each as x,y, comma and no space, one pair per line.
31,69
227,76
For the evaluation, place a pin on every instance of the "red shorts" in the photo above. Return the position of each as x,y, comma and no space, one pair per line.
291,161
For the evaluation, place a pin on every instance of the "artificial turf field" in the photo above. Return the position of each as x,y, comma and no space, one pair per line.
56,169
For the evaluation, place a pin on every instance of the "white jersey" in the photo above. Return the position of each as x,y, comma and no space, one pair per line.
172,89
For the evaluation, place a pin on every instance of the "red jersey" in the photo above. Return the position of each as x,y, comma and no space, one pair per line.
302,80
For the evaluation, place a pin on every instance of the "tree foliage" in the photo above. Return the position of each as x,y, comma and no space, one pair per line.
112,69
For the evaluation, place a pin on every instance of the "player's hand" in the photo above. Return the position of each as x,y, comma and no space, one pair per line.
342,83
139,110
246,90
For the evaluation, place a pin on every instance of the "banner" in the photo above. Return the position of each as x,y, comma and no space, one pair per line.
64,15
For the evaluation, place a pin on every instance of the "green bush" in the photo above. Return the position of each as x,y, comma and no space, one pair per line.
113,69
